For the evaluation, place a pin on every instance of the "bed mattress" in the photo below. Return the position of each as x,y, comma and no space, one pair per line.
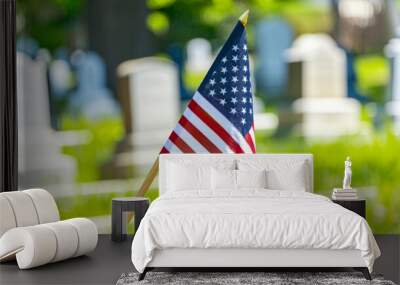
250,219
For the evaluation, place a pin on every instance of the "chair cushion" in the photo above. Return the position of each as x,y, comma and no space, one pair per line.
87,233
7,220
23,208
40,244
26,208
46,207
67,240
32,246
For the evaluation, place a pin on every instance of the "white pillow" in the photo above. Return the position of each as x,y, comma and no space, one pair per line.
281,174
223,179
227,179
181,177
296,180
251,178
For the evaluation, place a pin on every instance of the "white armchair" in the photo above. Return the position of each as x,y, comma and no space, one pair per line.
31,230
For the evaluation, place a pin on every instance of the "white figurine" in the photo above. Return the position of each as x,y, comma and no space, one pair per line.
347,174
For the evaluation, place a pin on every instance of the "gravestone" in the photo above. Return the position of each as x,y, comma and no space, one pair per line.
92,99
43,55
273,36
40,160
392,51
317,87
263,121
61,84
60,77
199,55
148,90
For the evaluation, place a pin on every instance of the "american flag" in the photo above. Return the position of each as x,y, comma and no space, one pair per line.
219,117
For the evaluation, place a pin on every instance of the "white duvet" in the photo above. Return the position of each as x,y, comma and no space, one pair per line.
250,219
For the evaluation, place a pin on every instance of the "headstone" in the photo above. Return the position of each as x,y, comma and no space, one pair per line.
392,51
92,99
273,36
60,77
43,55
61,84
40,160
263,121
199,55
317,86
148,90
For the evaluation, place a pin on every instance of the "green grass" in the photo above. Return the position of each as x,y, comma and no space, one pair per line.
104,134
93,205
373,75
376,165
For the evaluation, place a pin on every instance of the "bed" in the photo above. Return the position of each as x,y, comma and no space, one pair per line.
246,211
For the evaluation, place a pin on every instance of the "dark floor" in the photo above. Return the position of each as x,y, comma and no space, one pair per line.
110,260
103,266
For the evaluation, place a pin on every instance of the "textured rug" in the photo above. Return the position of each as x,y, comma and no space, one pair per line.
230,278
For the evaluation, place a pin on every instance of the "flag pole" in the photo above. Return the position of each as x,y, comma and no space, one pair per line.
149,179
154,169
146,184
243,19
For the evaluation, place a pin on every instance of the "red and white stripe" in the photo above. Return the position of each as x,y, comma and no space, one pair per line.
203,129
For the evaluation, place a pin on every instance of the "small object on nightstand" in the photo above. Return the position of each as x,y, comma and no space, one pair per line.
347,174
344,194
120,207
356,205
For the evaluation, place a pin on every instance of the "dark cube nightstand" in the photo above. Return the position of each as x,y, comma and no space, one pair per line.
137,205
356,205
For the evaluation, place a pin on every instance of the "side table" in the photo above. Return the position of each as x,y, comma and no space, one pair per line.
356,205
120,207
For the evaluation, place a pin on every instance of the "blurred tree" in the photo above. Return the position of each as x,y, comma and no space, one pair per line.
178,21
117,31
53,23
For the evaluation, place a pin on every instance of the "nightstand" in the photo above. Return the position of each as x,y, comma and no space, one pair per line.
356,205
120,207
